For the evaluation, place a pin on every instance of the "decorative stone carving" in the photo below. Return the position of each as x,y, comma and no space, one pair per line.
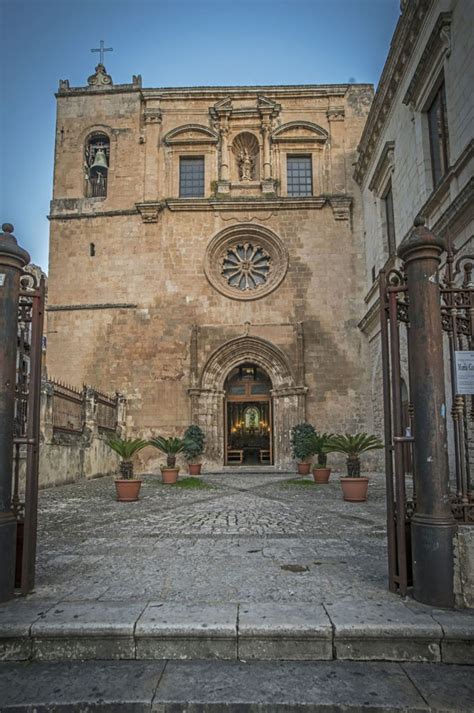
336,114
149,211
246,261
246,266
100,78
341,207
245,147
63,85
152,116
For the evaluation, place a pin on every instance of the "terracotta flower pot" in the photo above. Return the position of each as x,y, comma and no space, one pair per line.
355,489
127,490
194,468
321,475
169,476
304,468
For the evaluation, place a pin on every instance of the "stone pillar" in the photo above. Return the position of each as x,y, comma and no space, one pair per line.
152,119
267,165
12,261
223,184
90,412
121,415
432,525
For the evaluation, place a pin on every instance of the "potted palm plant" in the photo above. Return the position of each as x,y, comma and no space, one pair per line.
170,447
301,436
321,445
196,439
354,486
127,487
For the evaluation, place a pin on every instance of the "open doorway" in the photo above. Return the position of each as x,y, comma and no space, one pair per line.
248,417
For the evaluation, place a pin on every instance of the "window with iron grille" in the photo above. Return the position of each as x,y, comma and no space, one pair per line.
438,132
299,175
191,177
389,219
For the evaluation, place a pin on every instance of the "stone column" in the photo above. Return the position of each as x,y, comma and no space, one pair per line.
152,119
223,184
267,165
46,411
432,525
12,261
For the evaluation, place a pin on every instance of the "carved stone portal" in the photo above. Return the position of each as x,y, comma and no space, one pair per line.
246,149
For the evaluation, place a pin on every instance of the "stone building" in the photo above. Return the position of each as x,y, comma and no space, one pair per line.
416,155
207,259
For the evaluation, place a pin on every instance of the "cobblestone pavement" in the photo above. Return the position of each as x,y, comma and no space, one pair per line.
247,538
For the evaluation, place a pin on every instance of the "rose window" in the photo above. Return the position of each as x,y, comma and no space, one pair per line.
246,266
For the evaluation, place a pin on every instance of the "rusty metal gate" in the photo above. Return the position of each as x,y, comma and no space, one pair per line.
26,426
457,314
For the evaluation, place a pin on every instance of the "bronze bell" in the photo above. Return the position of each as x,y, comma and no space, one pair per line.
100,164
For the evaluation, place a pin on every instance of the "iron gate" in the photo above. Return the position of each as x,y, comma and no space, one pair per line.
457,314
26,426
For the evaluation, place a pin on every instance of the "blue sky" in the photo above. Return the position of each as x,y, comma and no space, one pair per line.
170,43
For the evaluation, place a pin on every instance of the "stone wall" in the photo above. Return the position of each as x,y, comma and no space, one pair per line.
68,456
124,319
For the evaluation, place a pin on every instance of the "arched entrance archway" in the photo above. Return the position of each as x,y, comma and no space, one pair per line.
248,421
208,398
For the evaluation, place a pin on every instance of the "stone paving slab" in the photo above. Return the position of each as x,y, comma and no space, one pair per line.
86,630
236,687
177,631
298,631
444,688
122,687
16,620
387,631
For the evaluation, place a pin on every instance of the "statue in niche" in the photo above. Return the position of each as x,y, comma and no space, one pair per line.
245,147
245,166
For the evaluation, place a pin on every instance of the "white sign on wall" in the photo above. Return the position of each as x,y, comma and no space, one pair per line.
464,372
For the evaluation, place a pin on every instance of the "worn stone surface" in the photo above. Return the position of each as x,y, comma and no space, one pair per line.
233,686
224,544
180,631
87,630
16,621
444,688
294,631
378,630
124,686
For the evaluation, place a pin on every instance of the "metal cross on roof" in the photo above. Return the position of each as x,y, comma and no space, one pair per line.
102,49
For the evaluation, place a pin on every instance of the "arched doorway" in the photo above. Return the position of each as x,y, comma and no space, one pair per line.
208,397
248,416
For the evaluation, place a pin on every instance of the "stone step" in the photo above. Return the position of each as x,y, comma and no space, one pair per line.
392,630
235,687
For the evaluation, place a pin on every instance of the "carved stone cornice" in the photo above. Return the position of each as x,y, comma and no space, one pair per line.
437,48
150,210
216,204
383,167
403,43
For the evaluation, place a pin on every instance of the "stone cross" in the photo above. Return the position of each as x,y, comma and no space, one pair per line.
102,49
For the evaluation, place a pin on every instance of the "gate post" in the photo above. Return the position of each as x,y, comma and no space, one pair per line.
432,525
12,261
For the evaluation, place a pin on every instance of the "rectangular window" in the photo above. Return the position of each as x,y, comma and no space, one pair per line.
191,177
390,220
438,131
299,175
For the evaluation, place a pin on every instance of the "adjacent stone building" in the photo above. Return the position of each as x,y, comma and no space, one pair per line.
207,259
416,155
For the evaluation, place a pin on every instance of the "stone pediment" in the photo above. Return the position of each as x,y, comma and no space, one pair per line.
300,132
249,106
190,134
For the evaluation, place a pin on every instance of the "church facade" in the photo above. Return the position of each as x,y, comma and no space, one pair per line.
207,259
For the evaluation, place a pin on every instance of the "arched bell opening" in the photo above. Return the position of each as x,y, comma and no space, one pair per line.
96,165
248,416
